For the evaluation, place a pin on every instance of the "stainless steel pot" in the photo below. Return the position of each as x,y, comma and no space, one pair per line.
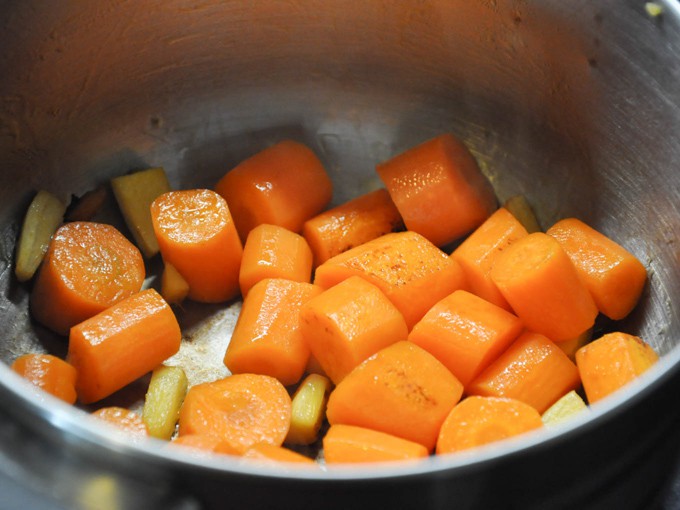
574,104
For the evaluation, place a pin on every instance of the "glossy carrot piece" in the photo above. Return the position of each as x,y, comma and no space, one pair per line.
123,419
197,236
350,444
49,373
205,444
612,361
466,333
350,224
349,322
438,189
267,338
478,421
412,272
271,251
242,410
538,279
121,344
479,252
613,275
265,452
401,390
284,185
533,370
88,267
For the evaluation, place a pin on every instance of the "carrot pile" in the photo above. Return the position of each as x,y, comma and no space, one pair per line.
417,319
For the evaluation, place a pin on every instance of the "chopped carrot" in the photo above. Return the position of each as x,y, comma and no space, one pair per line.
477,421
412,272
124,419
313,366
205,444
267,338
242,410
538,279
533,370
479,252
611,362
284,185
197,236
272,453
350,444
613,275
466,333
121,344
88,267
439,189
174,288
350,224
349,322
271,251
401,390
51,374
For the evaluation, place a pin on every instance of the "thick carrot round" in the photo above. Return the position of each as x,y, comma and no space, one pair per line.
242,410
121,344
88,267
197,236
267,338
123,419
350,444
284,185
439,189
49,373
537,278
477,421
265,452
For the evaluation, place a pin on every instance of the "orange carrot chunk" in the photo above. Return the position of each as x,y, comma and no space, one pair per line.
121,344
614,277
466,333
349,322
124,419
88,267
242,410
439,189
271,453
274,252
401,390
533,370
479,252
477,421
267,338
283,185
611,362
51,374
350,224
541,284
412,272
197,236
350,444
204,444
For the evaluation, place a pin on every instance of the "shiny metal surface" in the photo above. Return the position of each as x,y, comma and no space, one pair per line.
574,104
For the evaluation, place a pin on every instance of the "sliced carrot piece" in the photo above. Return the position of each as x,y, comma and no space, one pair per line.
439,189
611,362
267,338
88,267
569,347
272,453
349,322
284,185
350,444
242,410
401,390
541,284
466,333
205,444
274,252
533,370
350,224
49,373
613,275
412,272
121,344
477,421
479,252
197,236
124,419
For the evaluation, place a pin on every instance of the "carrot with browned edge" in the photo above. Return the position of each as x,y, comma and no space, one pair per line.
49,373
350,444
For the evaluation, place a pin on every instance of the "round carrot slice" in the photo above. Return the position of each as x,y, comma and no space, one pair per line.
51,374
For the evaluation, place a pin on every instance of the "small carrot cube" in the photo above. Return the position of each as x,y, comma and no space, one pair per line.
350,444
49,373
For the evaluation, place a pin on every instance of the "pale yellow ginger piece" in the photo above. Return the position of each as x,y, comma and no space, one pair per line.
519,207
164,398
134,193
654,9
174,288
308,409
564,409
42,219
569,347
